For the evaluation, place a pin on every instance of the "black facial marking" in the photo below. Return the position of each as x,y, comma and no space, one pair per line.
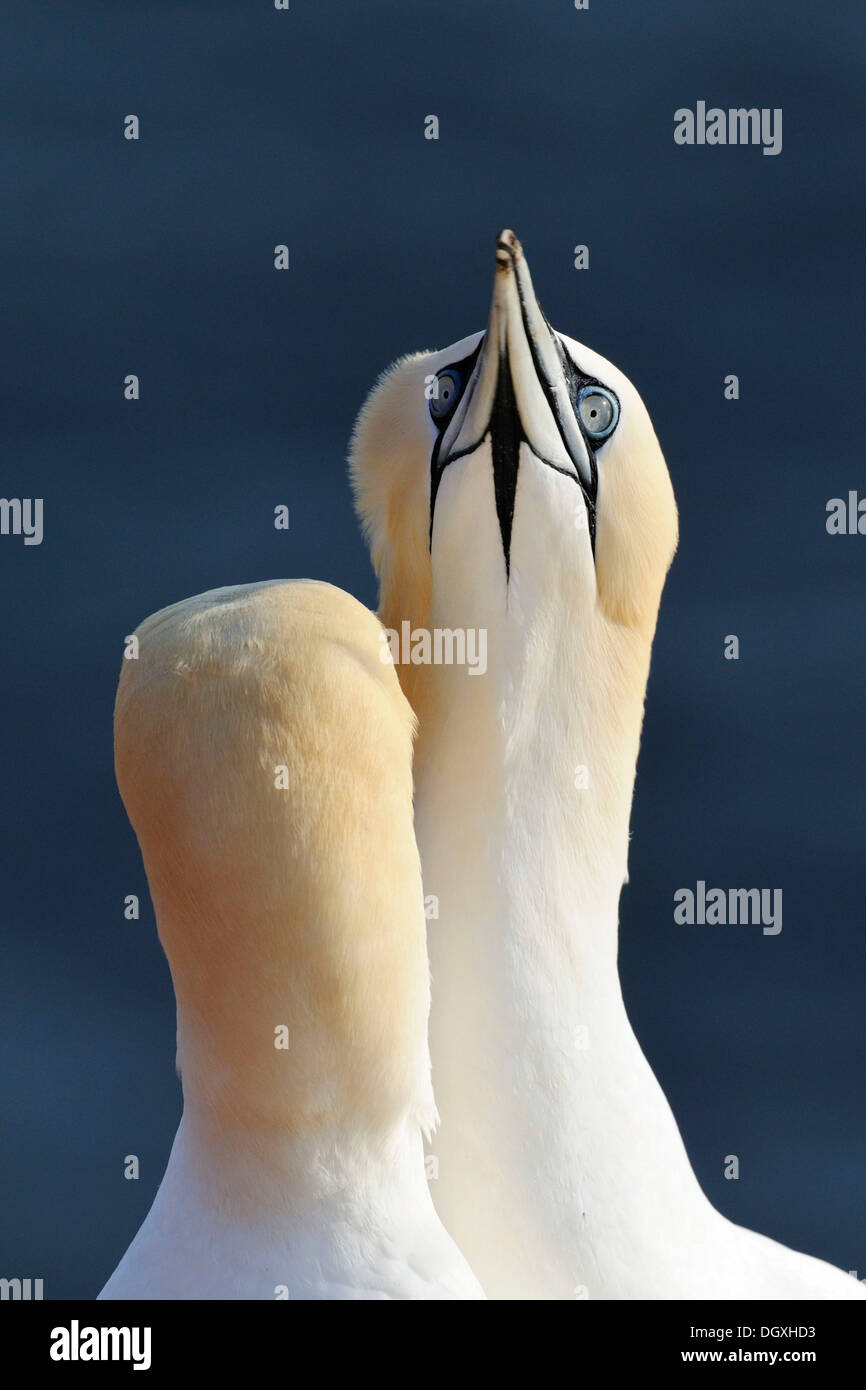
506,432
506,436
576,380
465,367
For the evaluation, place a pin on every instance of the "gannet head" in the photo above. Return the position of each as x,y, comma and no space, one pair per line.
512,488
516,462
263,752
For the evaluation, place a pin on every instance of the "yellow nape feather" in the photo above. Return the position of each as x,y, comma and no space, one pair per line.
263,752
391,493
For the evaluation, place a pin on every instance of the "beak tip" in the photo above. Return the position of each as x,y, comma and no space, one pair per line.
508,248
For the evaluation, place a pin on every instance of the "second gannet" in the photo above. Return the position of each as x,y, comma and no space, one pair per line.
263,752
513,483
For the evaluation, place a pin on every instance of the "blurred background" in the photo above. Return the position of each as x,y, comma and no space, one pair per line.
155,257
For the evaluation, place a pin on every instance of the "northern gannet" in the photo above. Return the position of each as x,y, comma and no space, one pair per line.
263,752
513,482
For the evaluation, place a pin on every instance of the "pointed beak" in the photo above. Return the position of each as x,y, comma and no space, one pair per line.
520,392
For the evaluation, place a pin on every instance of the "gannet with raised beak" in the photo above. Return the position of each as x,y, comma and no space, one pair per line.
263,752
514,483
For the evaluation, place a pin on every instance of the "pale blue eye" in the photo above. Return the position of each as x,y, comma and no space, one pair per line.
598,410
445,395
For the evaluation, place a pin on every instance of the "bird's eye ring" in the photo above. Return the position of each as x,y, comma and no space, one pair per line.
444,394
598,411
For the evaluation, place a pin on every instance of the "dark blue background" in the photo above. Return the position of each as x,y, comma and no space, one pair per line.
259,127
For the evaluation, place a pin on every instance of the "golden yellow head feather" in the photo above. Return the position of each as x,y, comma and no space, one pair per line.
263,751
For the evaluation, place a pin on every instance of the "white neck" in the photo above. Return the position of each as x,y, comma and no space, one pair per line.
283,1184
247,1215
548,1104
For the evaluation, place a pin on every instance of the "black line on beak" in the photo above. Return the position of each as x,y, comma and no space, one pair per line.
506,436
506,432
